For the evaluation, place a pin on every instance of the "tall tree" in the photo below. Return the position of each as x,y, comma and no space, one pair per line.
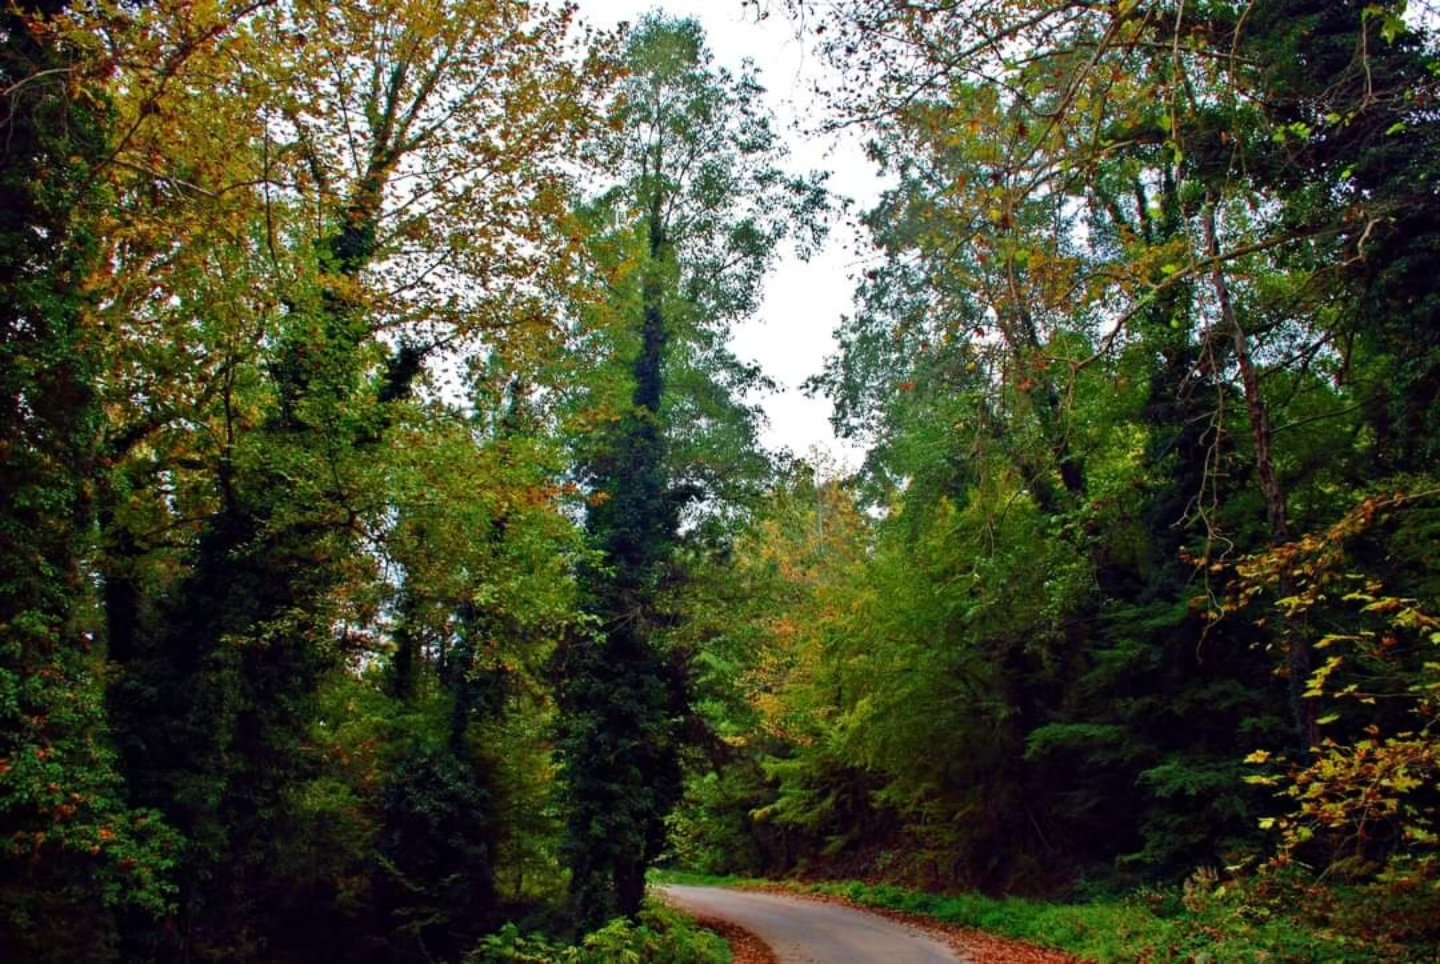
306,212
1111,328
71,845
685,237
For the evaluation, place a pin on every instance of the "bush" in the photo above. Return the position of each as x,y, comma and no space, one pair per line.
662,936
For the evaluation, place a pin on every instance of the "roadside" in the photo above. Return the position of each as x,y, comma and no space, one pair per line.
977,946
747,947
798,930
970,945
1208,919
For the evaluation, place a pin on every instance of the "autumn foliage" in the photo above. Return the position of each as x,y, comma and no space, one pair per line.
389,568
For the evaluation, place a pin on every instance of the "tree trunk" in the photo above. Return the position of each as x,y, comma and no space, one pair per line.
1300,654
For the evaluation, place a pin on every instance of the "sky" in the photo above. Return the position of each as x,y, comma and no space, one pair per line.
804,301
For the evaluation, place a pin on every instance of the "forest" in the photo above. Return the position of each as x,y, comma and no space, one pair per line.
390,568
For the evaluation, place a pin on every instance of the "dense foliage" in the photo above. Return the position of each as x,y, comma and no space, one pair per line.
690,230
1138,576
389,569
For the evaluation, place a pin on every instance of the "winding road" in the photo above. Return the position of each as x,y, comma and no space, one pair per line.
810,932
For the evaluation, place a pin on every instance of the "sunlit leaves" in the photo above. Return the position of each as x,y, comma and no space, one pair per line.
1360,795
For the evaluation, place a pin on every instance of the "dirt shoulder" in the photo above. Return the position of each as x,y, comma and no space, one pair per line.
745,945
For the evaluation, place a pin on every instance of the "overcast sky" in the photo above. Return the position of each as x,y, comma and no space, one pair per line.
803,301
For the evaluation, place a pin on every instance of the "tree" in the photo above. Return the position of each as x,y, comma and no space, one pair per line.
1106,338
487,587
72,847
304,214
684,237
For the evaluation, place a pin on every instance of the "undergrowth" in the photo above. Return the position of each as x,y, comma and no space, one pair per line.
662,936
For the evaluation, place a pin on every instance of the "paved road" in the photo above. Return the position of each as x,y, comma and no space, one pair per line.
810,932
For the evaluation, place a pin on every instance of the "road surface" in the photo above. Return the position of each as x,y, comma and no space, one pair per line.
810,932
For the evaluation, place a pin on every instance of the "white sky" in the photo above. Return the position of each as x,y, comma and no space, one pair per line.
804,301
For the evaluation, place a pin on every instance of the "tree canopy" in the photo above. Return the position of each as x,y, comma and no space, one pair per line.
389,565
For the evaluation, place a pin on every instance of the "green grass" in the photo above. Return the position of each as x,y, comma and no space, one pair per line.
1148,926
